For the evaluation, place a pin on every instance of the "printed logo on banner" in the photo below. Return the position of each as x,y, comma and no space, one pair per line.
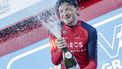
4,7
110,45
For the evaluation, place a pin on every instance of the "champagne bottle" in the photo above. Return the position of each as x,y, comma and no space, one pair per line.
69,60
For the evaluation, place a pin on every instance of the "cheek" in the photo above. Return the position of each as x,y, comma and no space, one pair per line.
71,16
74,15
61,16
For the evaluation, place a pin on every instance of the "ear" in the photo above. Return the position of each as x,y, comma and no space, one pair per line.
77,11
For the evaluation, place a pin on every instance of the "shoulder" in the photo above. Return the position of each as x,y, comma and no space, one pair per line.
87,26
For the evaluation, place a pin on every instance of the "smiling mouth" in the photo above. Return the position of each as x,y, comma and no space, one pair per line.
67,17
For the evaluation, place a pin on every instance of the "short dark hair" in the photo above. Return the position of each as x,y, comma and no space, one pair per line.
71,2
60,2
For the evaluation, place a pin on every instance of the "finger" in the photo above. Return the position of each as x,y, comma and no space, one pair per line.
61,42
60,46
60,39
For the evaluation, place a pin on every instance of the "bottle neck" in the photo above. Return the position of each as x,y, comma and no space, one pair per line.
64,49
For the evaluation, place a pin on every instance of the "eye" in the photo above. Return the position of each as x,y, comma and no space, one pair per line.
68,9
61,11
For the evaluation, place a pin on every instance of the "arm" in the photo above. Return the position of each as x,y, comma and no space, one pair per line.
92,50
56,55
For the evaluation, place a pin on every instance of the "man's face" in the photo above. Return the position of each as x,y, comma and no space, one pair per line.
68,14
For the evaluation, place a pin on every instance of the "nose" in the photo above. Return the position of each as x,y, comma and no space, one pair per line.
64,14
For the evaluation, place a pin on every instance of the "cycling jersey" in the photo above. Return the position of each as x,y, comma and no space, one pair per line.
81,41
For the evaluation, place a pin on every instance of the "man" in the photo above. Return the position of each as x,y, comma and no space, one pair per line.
77,36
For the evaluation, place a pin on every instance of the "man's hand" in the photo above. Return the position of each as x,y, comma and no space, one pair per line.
61,43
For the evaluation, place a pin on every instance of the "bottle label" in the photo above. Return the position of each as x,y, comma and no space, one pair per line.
68,55
75,67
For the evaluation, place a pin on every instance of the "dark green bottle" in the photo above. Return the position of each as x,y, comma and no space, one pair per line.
69,60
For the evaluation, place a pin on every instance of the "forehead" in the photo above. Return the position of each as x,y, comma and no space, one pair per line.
65,5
